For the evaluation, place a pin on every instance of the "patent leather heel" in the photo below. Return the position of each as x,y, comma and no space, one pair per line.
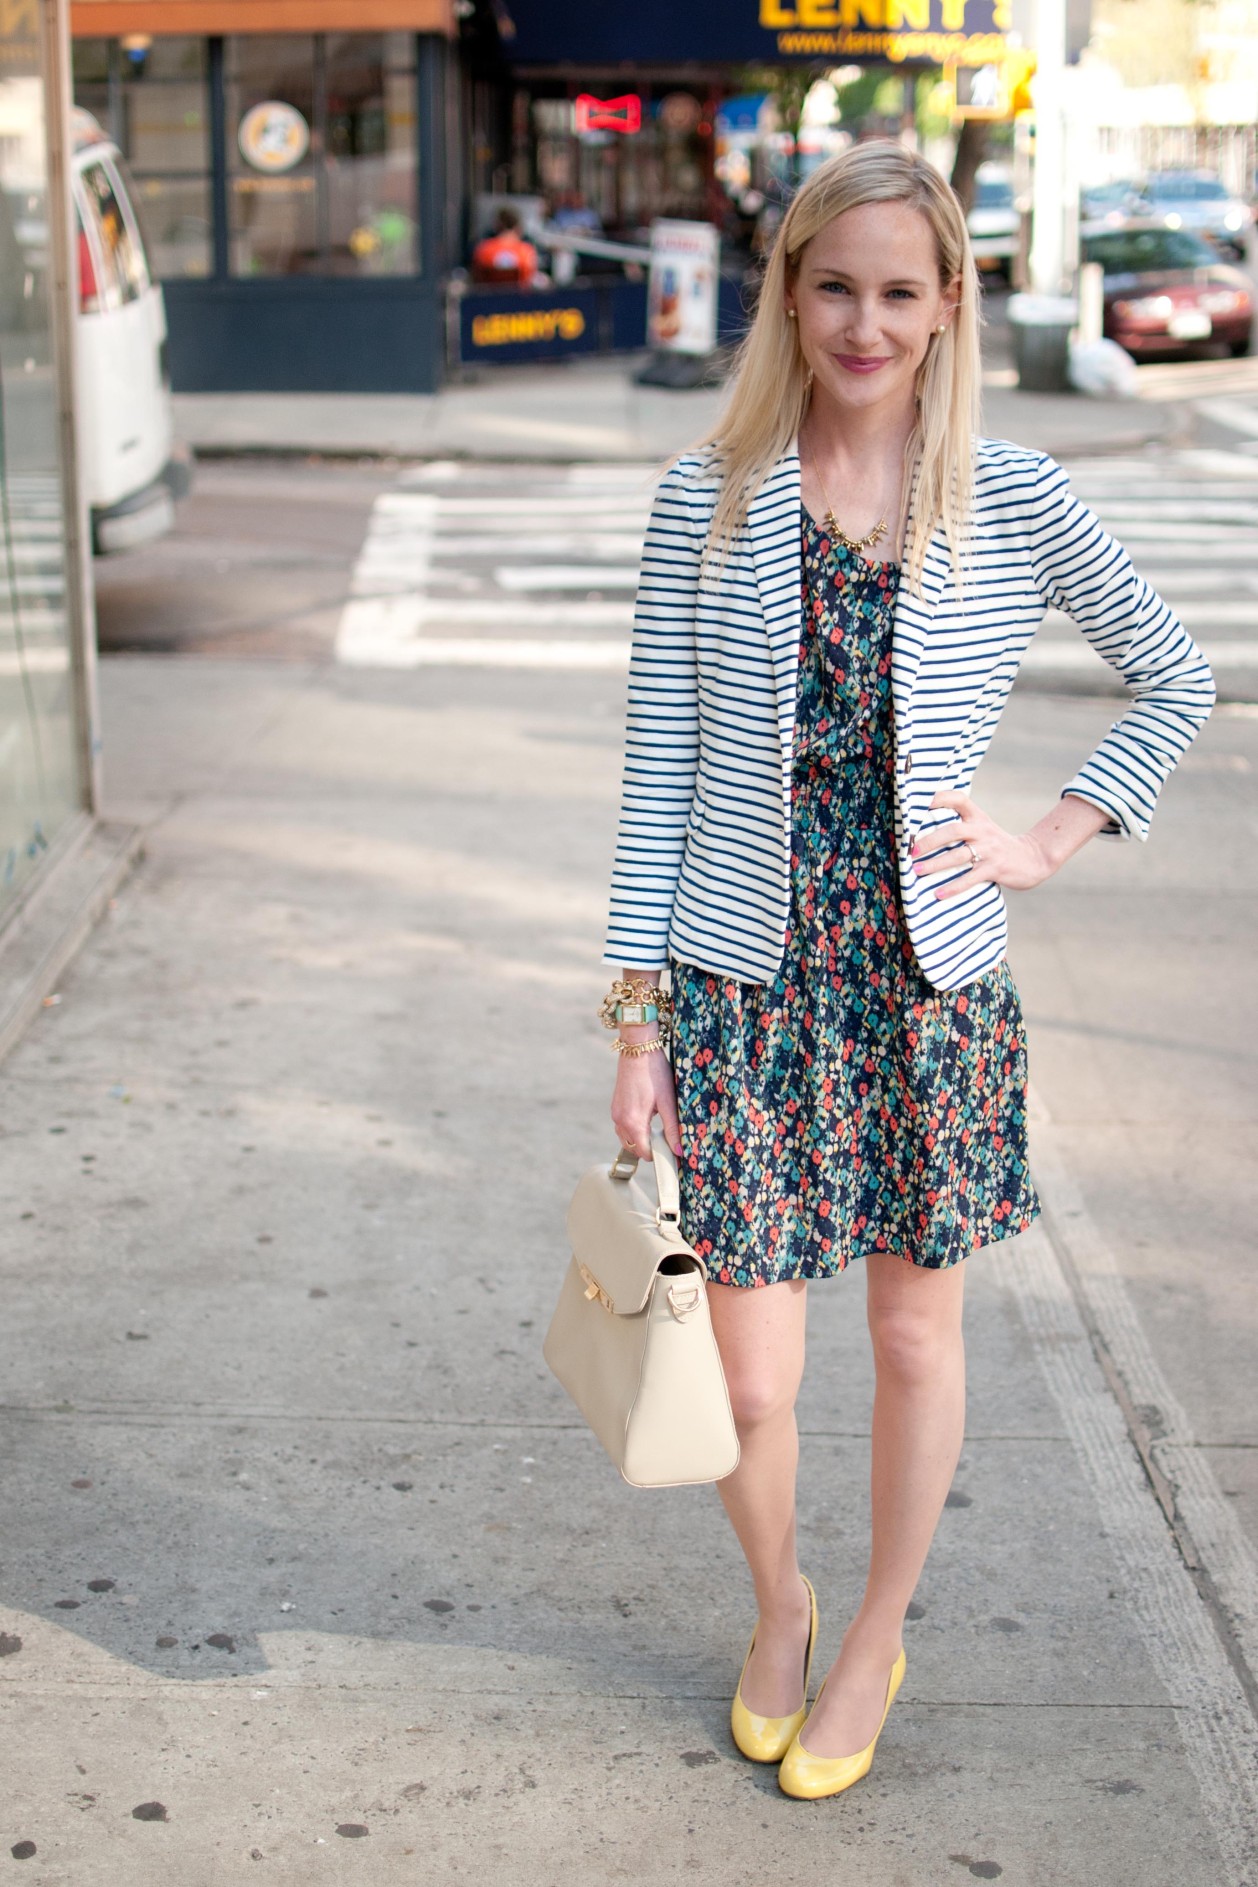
767,1739
808,1777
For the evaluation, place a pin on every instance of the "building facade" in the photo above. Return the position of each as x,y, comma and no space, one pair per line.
292,162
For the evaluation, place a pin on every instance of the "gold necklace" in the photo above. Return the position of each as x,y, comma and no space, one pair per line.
854,544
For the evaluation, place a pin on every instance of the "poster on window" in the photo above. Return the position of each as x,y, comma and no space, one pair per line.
681,293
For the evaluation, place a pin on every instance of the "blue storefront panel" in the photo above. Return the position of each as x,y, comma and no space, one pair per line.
304,336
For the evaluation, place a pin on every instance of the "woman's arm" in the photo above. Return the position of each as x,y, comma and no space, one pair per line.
1081,569
644,1084
661,733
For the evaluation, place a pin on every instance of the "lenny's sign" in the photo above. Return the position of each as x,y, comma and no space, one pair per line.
937,31
554,32
523,324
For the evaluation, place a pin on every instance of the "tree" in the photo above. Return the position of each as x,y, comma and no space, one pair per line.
971,149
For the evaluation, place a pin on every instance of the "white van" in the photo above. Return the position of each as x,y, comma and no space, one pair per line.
131,468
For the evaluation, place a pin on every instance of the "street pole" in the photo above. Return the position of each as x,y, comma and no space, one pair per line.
1048,201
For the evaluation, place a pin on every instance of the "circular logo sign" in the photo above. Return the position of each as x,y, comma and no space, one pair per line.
273,136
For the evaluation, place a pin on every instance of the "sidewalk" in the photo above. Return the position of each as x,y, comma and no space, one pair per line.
284,1224
568,410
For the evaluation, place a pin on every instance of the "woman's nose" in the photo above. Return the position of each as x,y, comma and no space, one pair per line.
863,323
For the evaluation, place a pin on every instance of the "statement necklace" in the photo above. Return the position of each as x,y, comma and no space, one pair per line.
855,544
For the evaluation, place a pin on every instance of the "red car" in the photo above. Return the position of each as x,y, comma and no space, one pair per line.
1168,292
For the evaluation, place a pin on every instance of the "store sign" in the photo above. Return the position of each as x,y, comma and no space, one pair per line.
511,327
273,136
524,325
608,114
935,32
899,30
681,294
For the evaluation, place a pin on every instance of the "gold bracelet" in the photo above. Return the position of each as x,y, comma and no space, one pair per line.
639,1048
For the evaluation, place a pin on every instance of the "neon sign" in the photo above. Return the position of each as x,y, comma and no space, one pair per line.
609,114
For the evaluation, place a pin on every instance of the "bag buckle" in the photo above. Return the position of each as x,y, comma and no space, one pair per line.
665,1217
684,1299
593,1289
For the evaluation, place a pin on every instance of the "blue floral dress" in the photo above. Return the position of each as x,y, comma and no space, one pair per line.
847,1106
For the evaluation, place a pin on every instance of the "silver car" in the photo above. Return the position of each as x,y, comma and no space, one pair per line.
1199,201
994,222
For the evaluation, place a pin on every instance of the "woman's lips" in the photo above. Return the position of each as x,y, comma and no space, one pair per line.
862,363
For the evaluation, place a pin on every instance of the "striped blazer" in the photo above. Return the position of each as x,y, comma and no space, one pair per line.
702,869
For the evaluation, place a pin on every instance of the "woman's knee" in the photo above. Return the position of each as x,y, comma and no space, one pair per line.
760,1393
761,1339
914,1342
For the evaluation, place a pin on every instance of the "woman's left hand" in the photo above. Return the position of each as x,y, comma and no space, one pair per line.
1017,861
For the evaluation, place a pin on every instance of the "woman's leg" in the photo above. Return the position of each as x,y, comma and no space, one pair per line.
918,1426
760,1334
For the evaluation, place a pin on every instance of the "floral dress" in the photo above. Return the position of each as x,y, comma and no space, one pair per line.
847,1106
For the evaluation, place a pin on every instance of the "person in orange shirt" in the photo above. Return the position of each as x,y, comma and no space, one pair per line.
505,258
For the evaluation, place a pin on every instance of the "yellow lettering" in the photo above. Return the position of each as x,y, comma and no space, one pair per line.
913,13
528,324
774,14
870,13
954,16
821,13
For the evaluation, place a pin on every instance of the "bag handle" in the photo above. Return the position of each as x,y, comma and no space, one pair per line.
667,1187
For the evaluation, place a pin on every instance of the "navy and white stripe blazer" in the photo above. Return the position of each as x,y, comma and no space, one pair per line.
702,868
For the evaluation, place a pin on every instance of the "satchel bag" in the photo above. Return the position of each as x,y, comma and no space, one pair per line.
631,1338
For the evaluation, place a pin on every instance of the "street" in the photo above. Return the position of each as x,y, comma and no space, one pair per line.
286,1225
437,557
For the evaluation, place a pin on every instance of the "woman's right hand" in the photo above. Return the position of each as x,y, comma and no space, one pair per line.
644,1088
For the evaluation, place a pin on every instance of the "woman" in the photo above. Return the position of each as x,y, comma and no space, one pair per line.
837,587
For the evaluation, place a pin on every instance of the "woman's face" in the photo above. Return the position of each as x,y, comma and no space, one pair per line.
868,303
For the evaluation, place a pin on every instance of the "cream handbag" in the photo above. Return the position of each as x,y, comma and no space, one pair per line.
631,1339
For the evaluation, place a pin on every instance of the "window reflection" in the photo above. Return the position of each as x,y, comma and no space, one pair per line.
38,776
347,204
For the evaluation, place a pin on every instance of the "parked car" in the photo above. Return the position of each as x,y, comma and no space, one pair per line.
1112,203
1198,200
131,468
1167,291
993,221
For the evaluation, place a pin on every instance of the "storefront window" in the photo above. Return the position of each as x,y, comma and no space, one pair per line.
322,154
39,785
151,96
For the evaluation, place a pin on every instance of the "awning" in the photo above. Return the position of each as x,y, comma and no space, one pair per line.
109,19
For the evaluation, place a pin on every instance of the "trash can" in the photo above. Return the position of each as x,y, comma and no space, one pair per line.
1041,326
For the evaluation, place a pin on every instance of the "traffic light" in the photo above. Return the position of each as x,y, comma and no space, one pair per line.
998,90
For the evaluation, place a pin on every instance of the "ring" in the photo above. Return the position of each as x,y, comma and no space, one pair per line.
975,856
629,1145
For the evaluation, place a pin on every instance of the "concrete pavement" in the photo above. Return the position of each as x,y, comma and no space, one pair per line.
287,1165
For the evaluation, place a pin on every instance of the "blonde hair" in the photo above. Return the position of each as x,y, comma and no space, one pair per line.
770,386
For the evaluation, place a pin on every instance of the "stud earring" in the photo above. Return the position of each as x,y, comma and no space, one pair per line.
790,314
